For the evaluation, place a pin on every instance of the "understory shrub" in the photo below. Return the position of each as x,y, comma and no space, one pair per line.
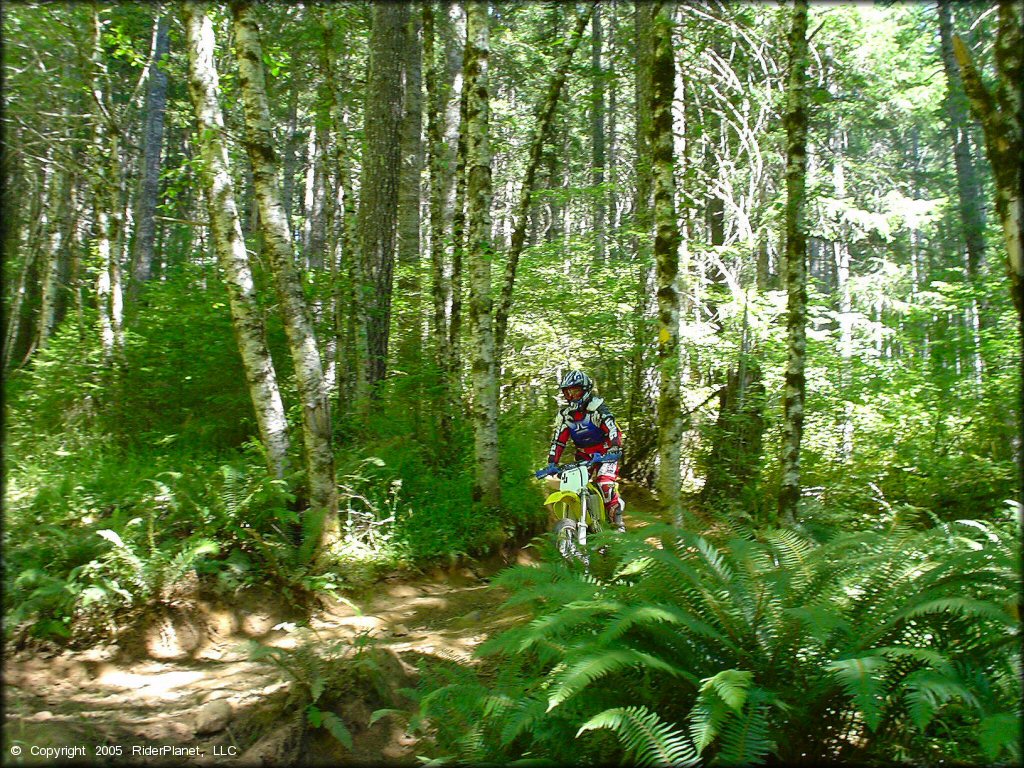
755,647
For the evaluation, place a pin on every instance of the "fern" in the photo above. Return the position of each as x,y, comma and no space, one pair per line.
581,673
718,697
730,685
927,690
744,736
1000,733
521,717
899,630
962,606
647,739
861,679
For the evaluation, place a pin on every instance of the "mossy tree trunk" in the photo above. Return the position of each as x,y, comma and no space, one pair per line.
480,253
379,193
229,243
666,255
322,517
796,264
1001,114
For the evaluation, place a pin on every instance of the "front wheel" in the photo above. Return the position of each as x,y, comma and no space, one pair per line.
567,540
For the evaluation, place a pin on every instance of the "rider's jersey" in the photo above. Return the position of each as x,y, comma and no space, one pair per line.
590,428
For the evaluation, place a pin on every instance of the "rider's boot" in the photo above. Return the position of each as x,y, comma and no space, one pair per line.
620,526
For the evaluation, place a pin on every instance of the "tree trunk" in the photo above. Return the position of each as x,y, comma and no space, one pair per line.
53,251
666,255
796,271
543,120
410,179
290,141
444,86
597,135
1002,120
106,149
378,200
736,439
316,421
459,241
642,430
246,317
344,254
153,139
480,252
972,213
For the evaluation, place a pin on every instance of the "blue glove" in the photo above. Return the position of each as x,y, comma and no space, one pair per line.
597,458
550,469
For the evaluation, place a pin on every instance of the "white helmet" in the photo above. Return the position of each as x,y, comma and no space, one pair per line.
576,380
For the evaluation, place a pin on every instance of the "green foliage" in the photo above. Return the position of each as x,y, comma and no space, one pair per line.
753,646
323,675
647,739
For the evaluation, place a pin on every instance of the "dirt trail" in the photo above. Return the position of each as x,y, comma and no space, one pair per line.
97,700
172,690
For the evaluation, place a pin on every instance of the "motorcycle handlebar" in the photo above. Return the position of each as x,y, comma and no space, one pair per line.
596,459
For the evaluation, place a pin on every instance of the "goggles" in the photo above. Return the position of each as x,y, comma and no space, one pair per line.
572,393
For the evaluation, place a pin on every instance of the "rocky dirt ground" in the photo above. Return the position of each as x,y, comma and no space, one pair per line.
186,688
188,681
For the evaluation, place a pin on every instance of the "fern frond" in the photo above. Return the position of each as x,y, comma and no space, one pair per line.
1001,732
821,620
636,615
927,690
187,557
861,678
524,714
932,658
730,685
569,617
721,695
962,606
705,718
580,674
647,739
744,737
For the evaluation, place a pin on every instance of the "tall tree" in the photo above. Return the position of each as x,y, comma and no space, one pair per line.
378,198
542,128
410,179
229,243
344,257
322,527
639,459
106,147
1001,114
597,133
444,89
972,212
796,269
153,140
480,253
52,251
666,255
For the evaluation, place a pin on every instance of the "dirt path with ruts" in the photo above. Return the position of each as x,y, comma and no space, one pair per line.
167,704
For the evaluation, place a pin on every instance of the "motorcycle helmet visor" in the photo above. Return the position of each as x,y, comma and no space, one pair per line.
572,394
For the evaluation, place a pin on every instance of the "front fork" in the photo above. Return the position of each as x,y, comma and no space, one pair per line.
582,527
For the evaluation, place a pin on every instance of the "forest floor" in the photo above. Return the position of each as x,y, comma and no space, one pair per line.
188,682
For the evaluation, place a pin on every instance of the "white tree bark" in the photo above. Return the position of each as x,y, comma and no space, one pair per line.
247,320
666,254
480,252
796,268
259,143
106,147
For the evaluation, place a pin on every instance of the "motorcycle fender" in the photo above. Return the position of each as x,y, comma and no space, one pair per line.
563,496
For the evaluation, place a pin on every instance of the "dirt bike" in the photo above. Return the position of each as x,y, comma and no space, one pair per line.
580,504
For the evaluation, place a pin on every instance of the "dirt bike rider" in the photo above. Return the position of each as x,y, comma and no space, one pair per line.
586,419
